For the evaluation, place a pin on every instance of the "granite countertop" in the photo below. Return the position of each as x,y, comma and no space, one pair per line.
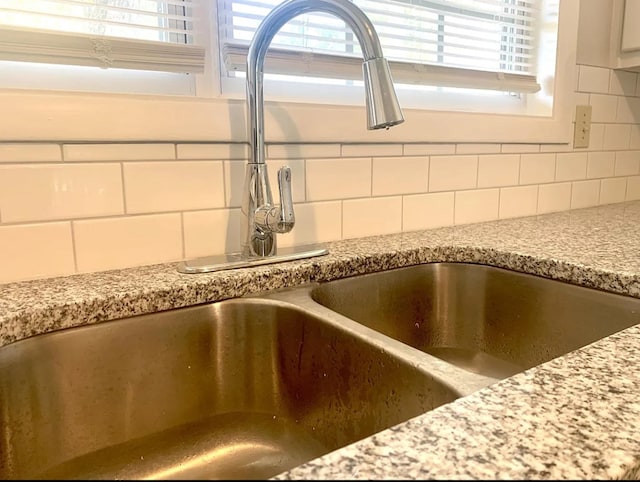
575,417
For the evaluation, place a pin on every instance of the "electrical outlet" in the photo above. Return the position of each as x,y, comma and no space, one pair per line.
583,126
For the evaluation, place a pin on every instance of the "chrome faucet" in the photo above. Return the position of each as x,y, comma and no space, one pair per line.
261,218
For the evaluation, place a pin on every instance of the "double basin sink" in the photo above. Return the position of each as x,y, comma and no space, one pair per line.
251,387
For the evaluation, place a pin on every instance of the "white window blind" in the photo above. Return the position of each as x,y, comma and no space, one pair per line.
132,34
486,44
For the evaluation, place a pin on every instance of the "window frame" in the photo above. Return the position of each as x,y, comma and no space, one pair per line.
43,115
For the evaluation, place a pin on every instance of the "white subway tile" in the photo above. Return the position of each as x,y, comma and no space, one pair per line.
448,173
211,232
476,206
428,149
556,147
127,241
426,211
554,197
118,152
628,110
622,82
596,137
616,136
224,151
400,175
234,174
537,168
627,163
585,194
571,166
593,79
470,148
368,217
498,170
152,187
14,153
613,190
600,164
518,201
315,223
371,150
580,98
329,179
303,151
633,188
604,107
59,191
32,251
634,142
519,148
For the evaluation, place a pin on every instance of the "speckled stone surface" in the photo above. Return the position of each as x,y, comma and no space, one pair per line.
577,416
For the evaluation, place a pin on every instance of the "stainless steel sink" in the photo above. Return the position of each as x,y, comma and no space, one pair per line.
244,388
252,387
487,320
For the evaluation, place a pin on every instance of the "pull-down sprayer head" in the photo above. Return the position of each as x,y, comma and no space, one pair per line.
383,110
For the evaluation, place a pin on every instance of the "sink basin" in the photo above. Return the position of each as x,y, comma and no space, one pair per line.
243,388
486,320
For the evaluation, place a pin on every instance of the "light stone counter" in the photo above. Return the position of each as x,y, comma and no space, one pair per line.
577,416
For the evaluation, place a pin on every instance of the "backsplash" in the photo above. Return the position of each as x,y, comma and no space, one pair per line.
70,208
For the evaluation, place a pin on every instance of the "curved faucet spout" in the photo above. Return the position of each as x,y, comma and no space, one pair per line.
383,111
382,103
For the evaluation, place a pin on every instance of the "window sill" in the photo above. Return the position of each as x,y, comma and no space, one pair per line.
47,116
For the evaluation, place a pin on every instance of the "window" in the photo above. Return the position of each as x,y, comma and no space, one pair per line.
512,61
493,36
136,35
463,48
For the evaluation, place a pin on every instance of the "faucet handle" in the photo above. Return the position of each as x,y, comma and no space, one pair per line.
287,217
278,218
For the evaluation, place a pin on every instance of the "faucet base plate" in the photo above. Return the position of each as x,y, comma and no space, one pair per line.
208,264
